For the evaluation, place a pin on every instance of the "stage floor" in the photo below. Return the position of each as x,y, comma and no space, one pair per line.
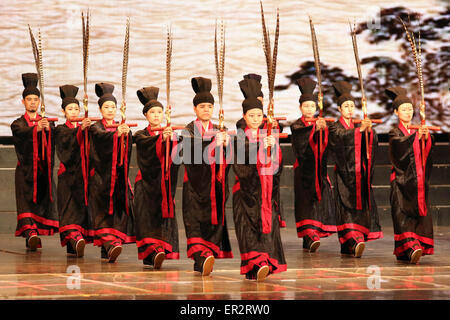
326,274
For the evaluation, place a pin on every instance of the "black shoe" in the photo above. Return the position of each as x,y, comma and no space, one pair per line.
262,273
311,243
208,265
113,253
359,249
415,256
32,242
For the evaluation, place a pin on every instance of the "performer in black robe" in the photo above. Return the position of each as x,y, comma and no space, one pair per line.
110,194
154,189
35,189
240,124
256,220
413,225
75,227
314,204
357,218
204,196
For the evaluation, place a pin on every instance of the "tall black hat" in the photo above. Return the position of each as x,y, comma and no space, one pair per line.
306,86
104,92
30,81
250,89
342,90
68,94
202,87
256,77
148,96
398,95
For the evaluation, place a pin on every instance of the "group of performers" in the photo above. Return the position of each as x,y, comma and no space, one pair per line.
94,201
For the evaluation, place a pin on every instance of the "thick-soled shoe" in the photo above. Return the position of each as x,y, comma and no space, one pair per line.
79,248
33,242
415,256
113,253
311,243
359,249
158,260
208,265
262,273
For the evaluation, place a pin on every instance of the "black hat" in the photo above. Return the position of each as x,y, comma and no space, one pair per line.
30,81
342,91
398,95
306,86
148,96
104,92
256,77
202,88
68,94
250,89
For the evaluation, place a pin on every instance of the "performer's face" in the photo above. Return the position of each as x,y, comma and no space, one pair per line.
346,109
108,110
72,110
405,112
308,108
253,118
154,116
204,111
31,103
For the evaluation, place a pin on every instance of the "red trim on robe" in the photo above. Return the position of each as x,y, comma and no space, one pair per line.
260,259
358,169
47,222
35,152
420,174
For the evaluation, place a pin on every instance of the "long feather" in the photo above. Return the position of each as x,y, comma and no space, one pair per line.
357,60
267,51
85,26
35,49
126,47
275,53
168,63
316,55
417,59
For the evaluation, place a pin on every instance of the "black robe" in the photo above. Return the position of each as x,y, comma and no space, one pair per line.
241,124
35,188
413,225
314,204
154,196
256,220
74,220
110,194
356,210
204,197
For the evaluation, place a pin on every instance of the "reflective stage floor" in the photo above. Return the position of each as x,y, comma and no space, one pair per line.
50,274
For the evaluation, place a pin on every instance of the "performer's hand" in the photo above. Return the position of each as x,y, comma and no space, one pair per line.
269,141
423,132
43,124
123,129
320,124
167,133
86,123
365,124
221,138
